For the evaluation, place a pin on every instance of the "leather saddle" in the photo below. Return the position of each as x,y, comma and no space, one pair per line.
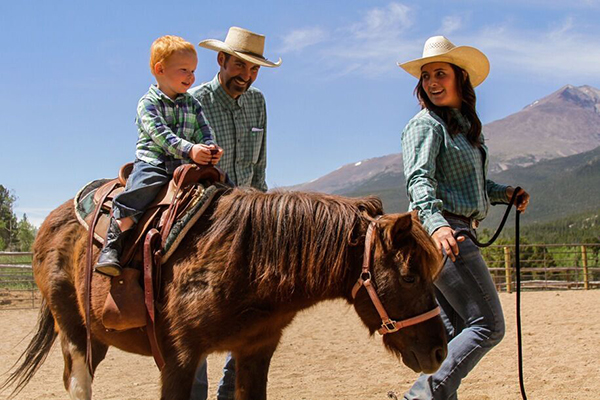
151,241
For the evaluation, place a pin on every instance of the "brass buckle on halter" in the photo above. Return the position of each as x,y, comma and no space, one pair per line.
390,326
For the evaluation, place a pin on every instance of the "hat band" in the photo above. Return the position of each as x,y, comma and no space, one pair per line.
249,53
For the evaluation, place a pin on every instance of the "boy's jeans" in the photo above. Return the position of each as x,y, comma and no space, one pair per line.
472,314
144,184
226,390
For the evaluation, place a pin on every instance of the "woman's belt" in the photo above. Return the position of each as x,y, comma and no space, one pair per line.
473,223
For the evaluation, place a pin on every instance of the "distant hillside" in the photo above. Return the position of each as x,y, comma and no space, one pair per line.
564,123
558,187
583,227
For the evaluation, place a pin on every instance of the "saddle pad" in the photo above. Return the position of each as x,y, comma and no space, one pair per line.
202,197
196,208
85,205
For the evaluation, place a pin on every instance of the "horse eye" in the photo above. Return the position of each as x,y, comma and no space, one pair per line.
409,278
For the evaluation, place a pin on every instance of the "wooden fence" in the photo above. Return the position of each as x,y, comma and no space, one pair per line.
543,267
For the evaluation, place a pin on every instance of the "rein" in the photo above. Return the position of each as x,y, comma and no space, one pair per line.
387,325
465,232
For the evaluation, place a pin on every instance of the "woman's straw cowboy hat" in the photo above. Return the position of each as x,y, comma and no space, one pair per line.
440,49
243,44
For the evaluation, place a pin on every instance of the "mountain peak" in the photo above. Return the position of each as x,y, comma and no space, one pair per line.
585,96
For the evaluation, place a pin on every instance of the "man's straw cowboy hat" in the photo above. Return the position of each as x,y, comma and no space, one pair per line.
440,49
242,43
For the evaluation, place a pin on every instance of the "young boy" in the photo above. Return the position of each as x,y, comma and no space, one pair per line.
172,131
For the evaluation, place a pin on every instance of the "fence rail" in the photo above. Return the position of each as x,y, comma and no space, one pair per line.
571,266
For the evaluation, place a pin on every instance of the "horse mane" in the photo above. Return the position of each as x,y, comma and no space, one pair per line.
289,240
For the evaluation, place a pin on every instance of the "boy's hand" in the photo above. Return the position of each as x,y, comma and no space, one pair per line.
216,152
200,154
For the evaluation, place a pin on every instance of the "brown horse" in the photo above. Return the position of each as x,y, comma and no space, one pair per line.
237,280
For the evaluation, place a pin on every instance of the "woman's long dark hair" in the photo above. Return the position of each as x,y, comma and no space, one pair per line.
466,93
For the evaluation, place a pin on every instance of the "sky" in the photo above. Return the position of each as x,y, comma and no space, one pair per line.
73,72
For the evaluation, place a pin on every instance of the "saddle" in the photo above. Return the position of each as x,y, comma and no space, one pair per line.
155,237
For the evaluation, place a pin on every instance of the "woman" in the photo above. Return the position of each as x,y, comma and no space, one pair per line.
445,164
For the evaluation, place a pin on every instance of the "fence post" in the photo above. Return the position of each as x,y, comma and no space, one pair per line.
584,262
507,269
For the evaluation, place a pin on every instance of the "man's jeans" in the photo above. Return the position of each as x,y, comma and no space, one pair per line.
226,390
472,314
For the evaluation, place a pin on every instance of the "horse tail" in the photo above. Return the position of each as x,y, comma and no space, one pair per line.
34,356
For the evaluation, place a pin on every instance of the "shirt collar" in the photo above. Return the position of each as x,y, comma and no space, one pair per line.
225,99
161,95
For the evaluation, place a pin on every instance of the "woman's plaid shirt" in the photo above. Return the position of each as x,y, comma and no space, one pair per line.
169,128
446,173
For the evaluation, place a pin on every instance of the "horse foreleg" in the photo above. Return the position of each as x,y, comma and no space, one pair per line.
76,375
252,371
177,375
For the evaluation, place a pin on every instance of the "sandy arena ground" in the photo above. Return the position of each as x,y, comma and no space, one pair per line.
327,354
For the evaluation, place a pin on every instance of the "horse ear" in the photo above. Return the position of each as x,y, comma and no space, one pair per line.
396,227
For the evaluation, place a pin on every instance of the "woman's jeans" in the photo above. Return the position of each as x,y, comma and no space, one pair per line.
472,314
226,390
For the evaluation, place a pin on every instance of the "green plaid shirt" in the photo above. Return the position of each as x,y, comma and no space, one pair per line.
169,128
446,173
240,127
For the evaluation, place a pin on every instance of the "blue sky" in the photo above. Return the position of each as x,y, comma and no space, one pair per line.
73,72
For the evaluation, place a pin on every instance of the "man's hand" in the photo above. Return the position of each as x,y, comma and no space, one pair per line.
200,154
522,198
444,240
216,152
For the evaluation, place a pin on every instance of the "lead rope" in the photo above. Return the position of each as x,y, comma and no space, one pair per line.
464,232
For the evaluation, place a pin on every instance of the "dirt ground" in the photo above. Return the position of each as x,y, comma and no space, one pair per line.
327,354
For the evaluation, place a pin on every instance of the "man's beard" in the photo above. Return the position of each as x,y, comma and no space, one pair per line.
232,85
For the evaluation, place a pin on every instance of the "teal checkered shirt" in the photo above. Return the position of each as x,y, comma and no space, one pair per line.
169,128
446,173
240,128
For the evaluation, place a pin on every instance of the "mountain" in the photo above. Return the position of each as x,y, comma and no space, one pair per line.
551,148
564,123
558,187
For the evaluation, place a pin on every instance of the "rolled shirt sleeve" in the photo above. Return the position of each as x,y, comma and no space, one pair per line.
421,142
496,192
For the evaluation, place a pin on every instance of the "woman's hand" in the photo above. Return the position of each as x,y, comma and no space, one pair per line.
522,198
444,240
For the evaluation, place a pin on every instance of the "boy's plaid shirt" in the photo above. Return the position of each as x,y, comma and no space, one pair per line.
169,128
446,173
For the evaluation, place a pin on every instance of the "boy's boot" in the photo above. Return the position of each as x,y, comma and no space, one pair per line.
108,262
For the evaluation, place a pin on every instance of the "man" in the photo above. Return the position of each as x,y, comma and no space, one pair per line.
238,116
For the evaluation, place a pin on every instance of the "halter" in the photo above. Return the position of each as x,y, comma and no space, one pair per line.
387,325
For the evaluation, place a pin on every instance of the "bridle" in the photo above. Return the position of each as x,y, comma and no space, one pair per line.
387,325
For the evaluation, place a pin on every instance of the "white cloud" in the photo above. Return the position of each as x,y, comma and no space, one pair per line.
383,22
372,45
552,53
451,24
300,38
